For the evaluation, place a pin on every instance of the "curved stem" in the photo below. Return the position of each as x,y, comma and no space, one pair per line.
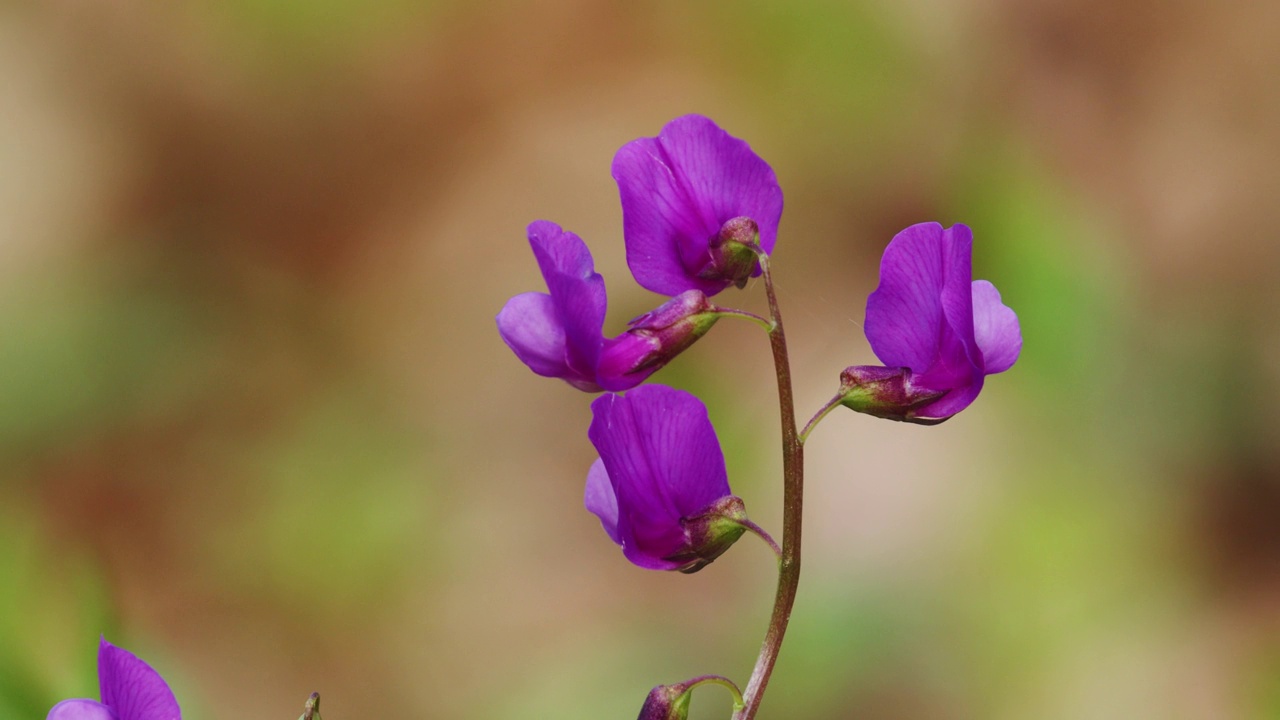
732,312
722,681
792,510
817,418
760,532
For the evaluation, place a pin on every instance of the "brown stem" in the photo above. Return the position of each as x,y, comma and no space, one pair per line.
792,511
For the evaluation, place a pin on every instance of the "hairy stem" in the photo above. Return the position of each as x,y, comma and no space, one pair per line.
792,511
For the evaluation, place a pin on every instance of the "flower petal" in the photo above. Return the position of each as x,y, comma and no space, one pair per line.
132,688
529,326
577,290
557,250
904,314
600,500
957,294
996,328
678,189
621,355
664,461
954,401
81,710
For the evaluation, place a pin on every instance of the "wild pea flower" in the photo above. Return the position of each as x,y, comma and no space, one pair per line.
696,202
559,333
939,331
130,690
660,487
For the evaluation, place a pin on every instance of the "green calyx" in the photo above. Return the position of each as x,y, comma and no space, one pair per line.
710,533
887,393
734,251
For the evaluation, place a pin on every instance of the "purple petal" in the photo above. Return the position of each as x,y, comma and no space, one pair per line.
958,364
131,688
576,289
957,292
620,356
81,710
664,461
601,501
580,305
960,397
529,326
678,189
904,314
996,328
559,251
558,334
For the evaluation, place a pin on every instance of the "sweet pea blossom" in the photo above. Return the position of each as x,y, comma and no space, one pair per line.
939,331
660,487
130,690
559,333
696,201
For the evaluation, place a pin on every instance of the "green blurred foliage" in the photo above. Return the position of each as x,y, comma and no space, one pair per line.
51,610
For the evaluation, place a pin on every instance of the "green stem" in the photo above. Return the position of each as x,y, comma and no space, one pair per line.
792,510
760,532
722,681
732,312
813,422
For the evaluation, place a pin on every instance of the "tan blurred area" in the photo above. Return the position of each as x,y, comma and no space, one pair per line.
256,423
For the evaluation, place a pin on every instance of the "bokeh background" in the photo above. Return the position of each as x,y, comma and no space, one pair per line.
256,423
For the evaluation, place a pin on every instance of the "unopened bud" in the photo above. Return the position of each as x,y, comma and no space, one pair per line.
667,702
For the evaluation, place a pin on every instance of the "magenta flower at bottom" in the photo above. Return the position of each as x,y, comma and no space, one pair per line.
130,690
660,487
939,331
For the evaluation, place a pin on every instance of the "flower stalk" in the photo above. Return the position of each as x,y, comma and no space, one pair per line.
792,510
818,416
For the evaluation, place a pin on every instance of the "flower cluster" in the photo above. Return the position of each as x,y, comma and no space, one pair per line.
700,213
699,209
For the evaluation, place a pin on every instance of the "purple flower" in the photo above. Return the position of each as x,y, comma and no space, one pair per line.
559,333
693,200
130,690
659,487
930,317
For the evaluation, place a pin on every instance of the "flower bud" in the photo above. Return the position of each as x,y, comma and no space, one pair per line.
667,702
710,533
655,339
888,393
311,711
733,251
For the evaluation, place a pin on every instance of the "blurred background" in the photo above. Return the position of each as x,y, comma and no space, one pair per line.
256,423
